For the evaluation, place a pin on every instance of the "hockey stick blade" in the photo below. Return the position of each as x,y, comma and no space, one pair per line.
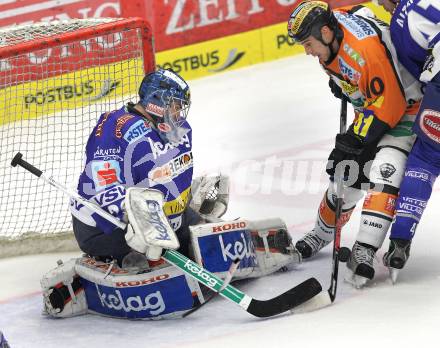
292,298
319,301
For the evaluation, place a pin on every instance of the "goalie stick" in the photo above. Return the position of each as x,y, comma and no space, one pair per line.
259,308
226,281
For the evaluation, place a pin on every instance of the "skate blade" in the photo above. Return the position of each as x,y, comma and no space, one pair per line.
394,273
356,281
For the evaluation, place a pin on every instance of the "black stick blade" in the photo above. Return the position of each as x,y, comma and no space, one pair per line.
286,301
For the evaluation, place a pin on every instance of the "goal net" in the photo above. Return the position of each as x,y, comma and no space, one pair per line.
56,79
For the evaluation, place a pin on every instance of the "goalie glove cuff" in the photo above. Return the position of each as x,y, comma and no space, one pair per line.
153,253
136,242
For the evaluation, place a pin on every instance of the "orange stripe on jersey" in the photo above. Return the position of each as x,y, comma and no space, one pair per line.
380,203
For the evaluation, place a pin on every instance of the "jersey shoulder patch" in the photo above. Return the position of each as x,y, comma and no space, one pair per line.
135,129
355,25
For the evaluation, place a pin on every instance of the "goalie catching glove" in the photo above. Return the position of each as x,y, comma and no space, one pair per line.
148,229
210,196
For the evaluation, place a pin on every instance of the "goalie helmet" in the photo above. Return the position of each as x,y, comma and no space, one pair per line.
307,19
165,96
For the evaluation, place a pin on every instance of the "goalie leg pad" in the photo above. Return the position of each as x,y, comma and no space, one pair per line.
263,247
63,293
162,292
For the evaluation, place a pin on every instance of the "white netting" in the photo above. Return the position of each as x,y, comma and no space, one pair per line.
37,31
50,100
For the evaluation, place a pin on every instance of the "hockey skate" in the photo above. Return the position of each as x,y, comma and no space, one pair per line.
310,244
360,265
396,256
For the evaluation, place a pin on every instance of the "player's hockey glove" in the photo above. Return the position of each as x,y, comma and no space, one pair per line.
348,147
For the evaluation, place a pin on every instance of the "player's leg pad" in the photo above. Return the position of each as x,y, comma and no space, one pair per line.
263,247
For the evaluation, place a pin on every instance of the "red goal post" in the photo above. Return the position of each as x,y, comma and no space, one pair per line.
56,79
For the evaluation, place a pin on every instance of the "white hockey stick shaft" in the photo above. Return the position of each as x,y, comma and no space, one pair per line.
71,193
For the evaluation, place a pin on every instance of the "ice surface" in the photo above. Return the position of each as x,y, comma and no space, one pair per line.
271,127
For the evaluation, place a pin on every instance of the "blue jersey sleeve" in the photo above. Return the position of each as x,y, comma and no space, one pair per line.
415,31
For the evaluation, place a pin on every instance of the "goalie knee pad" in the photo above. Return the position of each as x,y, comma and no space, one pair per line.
262,247
63,294
161,292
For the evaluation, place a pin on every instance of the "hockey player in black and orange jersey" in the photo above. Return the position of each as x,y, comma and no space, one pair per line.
355,50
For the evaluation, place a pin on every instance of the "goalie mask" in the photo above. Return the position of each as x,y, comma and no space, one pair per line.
165,97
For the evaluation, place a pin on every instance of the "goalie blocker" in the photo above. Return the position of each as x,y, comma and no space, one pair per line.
85,285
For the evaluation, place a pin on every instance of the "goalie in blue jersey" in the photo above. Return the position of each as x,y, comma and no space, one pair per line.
415,32
139,168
